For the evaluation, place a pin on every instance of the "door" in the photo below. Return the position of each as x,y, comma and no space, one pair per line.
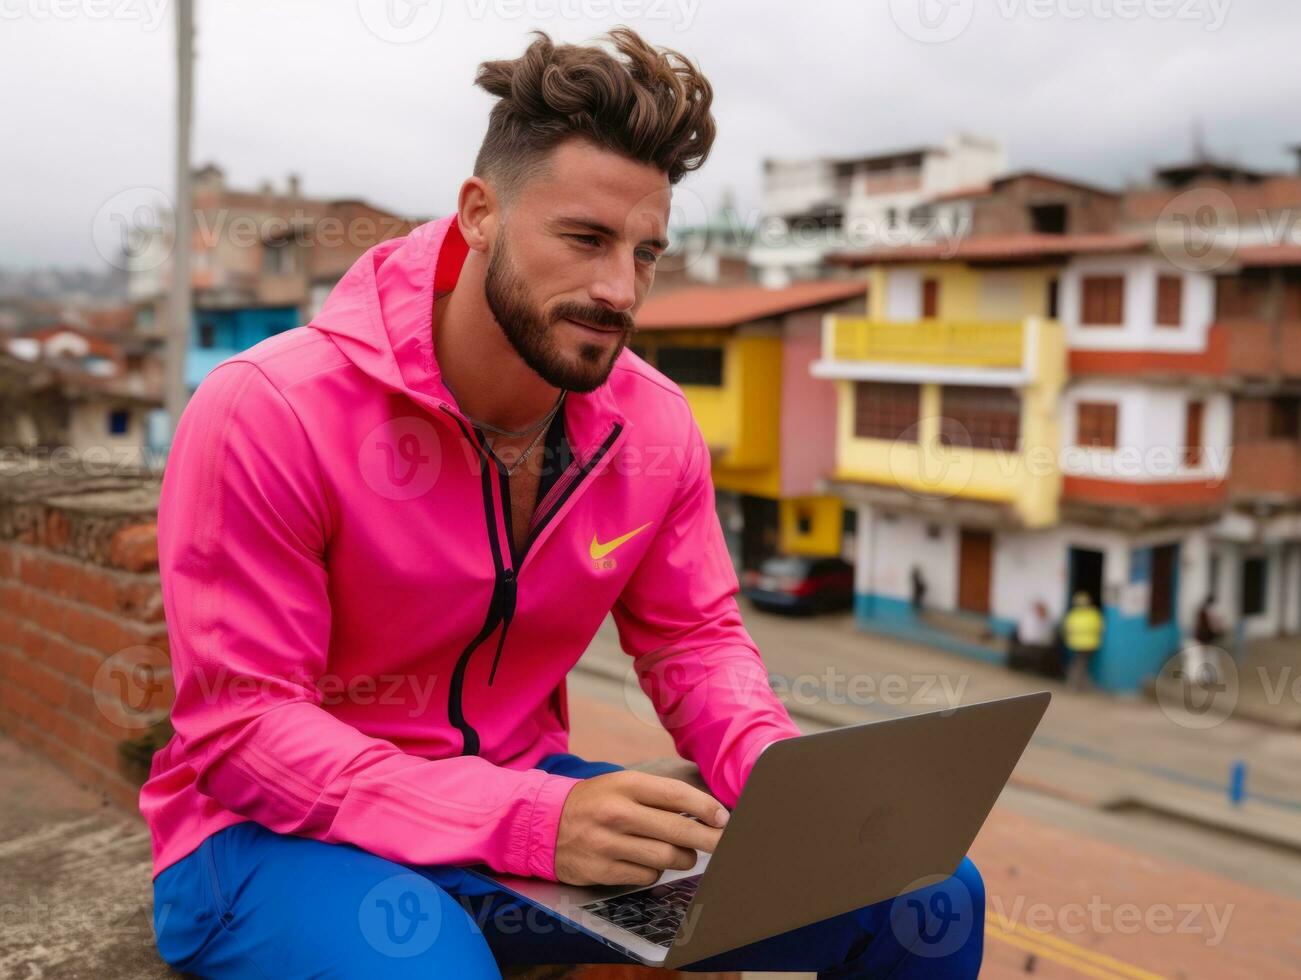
975,561
1085,575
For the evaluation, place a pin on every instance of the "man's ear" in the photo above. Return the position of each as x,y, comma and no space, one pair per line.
478,213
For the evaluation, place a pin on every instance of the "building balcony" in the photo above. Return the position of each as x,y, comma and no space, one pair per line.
1001,353
1265,469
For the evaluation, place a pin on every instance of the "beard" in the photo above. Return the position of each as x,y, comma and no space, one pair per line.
532,335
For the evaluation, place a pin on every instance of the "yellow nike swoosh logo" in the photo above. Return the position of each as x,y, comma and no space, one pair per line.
598,550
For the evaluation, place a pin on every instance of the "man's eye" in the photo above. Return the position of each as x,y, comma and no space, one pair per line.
591,240
648,256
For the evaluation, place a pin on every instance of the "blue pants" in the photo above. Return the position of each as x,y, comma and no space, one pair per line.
249,902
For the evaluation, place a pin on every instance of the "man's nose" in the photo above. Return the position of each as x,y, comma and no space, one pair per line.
616,287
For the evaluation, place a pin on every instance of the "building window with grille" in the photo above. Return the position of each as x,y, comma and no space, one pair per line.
885,410
1193,417
1169,301
1102,301
692,365
1096,424
980,417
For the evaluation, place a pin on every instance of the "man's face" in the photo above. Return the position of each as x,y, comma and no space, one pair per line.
574,259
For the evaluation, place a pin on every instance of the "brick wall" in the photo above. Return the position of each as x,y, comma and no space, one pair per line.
84,670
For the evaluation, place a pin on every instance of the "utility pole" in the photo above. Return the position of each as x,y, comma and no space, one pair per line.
176,393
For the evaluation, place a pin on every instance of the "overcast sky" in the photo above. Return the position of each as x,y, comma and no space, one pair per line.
374,98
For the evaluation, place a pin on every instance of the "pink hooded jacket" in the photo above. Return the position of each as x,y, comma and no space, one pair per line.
358,655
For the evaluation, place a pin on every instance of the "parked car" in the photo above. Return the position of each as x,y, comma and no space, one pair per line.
788,583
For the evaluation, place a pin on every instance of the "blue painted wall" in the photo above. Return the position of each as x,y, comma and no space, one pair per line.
232,331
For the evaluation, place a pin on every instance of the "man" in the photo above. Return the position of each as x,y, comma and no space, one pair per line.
1083,634
385,539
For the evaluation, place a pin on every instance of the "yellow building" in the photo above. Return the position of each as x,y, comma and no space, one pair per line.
743,357
947,441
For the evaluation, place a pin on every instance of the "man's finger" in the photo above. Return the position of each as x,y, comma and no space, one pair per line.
674,795
674,828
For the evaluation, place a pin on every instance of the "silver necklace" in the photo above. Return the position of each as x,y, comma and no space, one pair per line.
518,433
528,450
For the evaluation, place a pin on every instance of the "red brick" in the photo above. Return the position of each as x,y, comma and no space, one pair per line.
93,586
109,634
56,530
135,548
49,686
43,610
7,560
10,625
34,570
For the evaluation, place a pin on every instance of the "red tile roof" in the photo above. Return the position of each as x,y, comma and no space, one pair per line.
997,248
1267,255
728,306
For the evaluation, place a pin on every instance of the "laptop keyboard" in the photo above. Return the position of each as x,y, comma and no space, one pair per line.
653,913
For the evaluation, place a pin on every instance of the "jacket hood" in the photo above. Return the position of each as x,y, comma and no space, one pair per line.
380,316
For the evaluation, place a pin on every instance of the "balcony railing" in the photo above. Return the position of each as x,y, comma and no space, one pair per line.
929,342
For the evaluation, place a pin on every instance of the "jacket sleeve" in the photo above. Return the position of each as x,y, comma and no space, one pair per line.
678,618
244,523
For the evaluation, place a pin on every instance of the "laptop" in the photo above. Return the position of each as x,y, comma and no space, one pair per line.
827,823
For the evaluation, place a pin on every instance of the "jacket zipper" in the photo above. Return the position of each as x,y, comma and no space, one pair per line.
505,590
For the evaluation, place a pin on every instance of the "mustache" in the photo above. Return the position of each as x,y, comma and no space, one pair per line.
598,316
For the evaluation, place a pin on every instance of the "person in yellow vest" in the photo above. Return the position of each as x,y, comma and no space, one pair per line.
1083,635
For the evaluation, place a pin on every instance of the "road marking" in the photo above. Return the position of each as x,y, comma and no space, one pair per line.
1062,951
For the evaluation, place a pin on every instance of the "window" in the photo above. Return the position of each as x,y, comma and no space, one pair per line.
1048,219
207,336
1102,301
692,365
119,421
1285,417
1169,301
1254,580
1193,433
980,417
884,410
1052,298
930,299
1096,424
278,258
804,520
1161,597
1240,297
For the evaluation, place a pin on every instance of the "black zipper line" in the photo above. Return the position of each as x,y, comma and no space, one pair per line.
583,470
505,590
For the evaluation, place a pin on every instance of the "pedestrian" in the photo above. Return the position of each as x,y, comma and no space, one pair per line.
1209,627
918,590
1083,629
1033,640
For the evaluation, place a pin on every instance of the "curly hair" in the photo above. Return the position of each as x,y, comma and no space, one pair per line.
653,106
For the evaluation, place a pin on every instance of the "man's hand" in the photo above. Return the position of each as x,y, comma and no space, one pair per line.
625,828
